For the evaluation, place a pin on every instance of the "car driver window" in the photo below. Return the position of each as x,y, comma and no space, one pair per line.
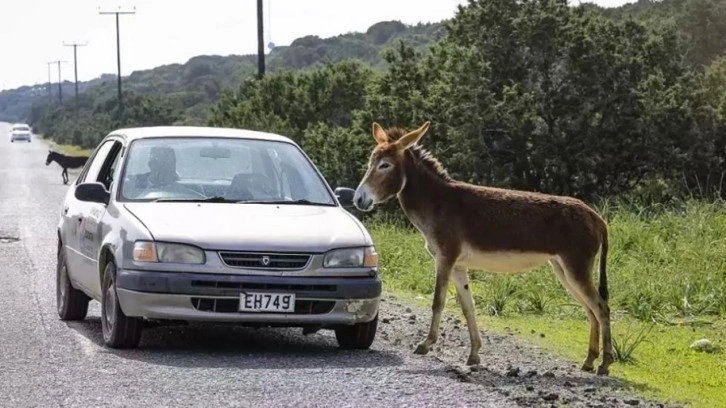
107,177
98,161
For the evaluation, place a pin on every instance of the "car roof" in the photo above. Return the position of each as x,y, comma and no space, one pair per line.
196,131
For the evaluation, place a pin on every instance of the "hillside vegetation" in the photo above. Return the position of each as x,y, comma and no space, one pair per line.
190,88
534,95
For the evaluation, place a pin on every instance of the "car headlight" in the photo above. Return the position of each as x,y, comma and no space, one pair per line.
146,251
351,258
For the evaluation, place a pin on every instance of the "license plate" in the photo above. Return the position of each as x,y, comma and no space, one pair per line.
267,302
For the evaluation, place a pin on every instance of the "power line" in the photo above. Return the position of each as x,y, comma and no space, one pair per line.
118,56
75,63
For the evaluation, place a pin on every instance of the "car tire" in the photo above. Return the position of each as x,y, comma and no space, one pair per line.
359,336
71,303
119,330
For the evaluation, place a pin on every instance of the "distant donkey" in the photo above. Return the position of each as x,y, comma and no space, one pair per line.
468,226
67,162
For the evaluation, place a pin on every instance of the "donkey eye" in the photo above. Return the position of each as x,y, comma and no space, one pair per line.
384,166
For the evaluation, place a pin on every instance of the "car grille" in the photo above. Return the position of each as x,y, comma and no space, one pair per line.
264,261
287,287
302,307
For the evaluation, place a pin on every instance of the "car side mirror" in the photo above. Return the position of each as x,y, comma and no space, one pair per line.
92,192
345,196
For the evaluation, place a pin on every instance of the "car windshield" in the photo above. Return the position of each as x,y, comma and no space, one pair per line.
21,128
221,170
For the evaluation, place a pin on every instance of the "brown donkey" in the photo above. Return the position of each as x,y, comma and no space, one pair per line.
468,226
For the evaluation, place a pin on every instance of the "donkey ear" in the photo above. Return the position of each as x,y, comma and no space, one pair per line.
379,134
410,138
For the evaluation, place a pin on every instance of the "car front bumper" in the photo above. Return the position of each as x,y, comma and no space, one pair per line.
326,301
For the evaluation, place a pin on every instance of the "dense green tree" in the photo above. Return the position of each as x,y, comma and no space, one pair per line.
288,102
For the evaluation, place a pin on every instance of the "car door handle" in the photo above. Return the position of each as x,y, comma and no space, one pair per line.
65,210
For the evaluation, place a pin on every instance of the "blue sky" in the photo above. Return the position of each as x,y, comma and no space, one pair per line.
161,32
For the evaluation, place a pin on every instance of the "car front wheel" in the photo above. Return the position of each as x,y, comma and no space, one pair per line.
119,330
71,303
358,336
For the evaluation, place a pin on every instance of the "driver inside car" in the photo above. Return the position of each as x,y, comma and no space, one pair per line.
162,168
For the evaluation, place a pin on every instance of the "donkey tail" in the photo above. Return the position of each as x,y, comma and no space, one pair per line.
603,288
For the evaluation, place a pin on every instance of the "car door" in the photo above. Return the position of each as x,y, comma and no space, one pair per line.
81,260
91,229
72,212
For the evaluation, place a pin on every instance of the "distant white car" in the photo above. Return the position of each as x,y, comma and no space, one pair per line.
20,131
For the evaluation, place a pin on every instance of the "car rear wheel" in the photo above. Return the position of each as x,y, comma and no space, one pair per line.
71,303
119,330
358,336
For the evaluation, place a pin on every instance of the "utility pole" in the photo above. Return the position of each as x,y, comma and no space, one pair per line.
60,85
118,57
260,42
75,63
60,81
50,89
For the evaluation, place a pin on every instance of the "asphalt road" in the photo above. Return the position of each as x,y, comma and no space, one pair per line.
45,362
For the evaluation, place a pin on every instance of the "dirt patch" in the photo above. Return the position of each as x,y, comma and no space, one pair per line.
523,373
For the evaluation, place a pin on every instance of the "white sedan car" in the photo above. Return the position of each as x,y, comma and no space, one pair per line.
20,131
210,224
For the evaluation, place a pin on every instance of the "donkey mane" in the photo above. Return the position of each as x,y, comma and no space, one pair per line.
421,156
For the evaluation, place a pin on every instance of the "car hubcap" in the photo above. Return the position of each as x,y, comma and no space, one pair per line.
110,308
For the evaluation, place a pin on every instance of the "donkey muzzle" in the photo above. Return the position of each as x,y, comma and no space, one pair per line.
362,200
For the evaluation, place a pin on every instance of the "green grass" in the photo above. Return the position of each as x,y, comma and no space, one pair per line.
666,269
664,369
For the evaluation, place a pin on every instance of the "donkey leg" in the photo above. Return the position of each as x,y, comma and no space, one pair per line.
579,276
443,270
461,280
594,345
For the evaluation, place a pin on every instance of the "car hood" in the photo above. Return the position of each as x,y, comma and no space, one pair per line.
251,227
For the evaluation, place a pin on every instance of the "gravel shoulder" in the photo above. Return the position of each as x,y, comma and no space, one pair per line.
523,374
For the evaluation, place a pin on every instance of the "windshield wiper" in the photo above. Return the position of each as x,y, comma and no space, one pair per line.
214,199
302,201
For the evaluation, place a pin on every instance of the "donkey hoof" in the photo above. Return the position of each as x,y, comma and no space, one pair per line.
587,367
602,370
421,349
473,360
